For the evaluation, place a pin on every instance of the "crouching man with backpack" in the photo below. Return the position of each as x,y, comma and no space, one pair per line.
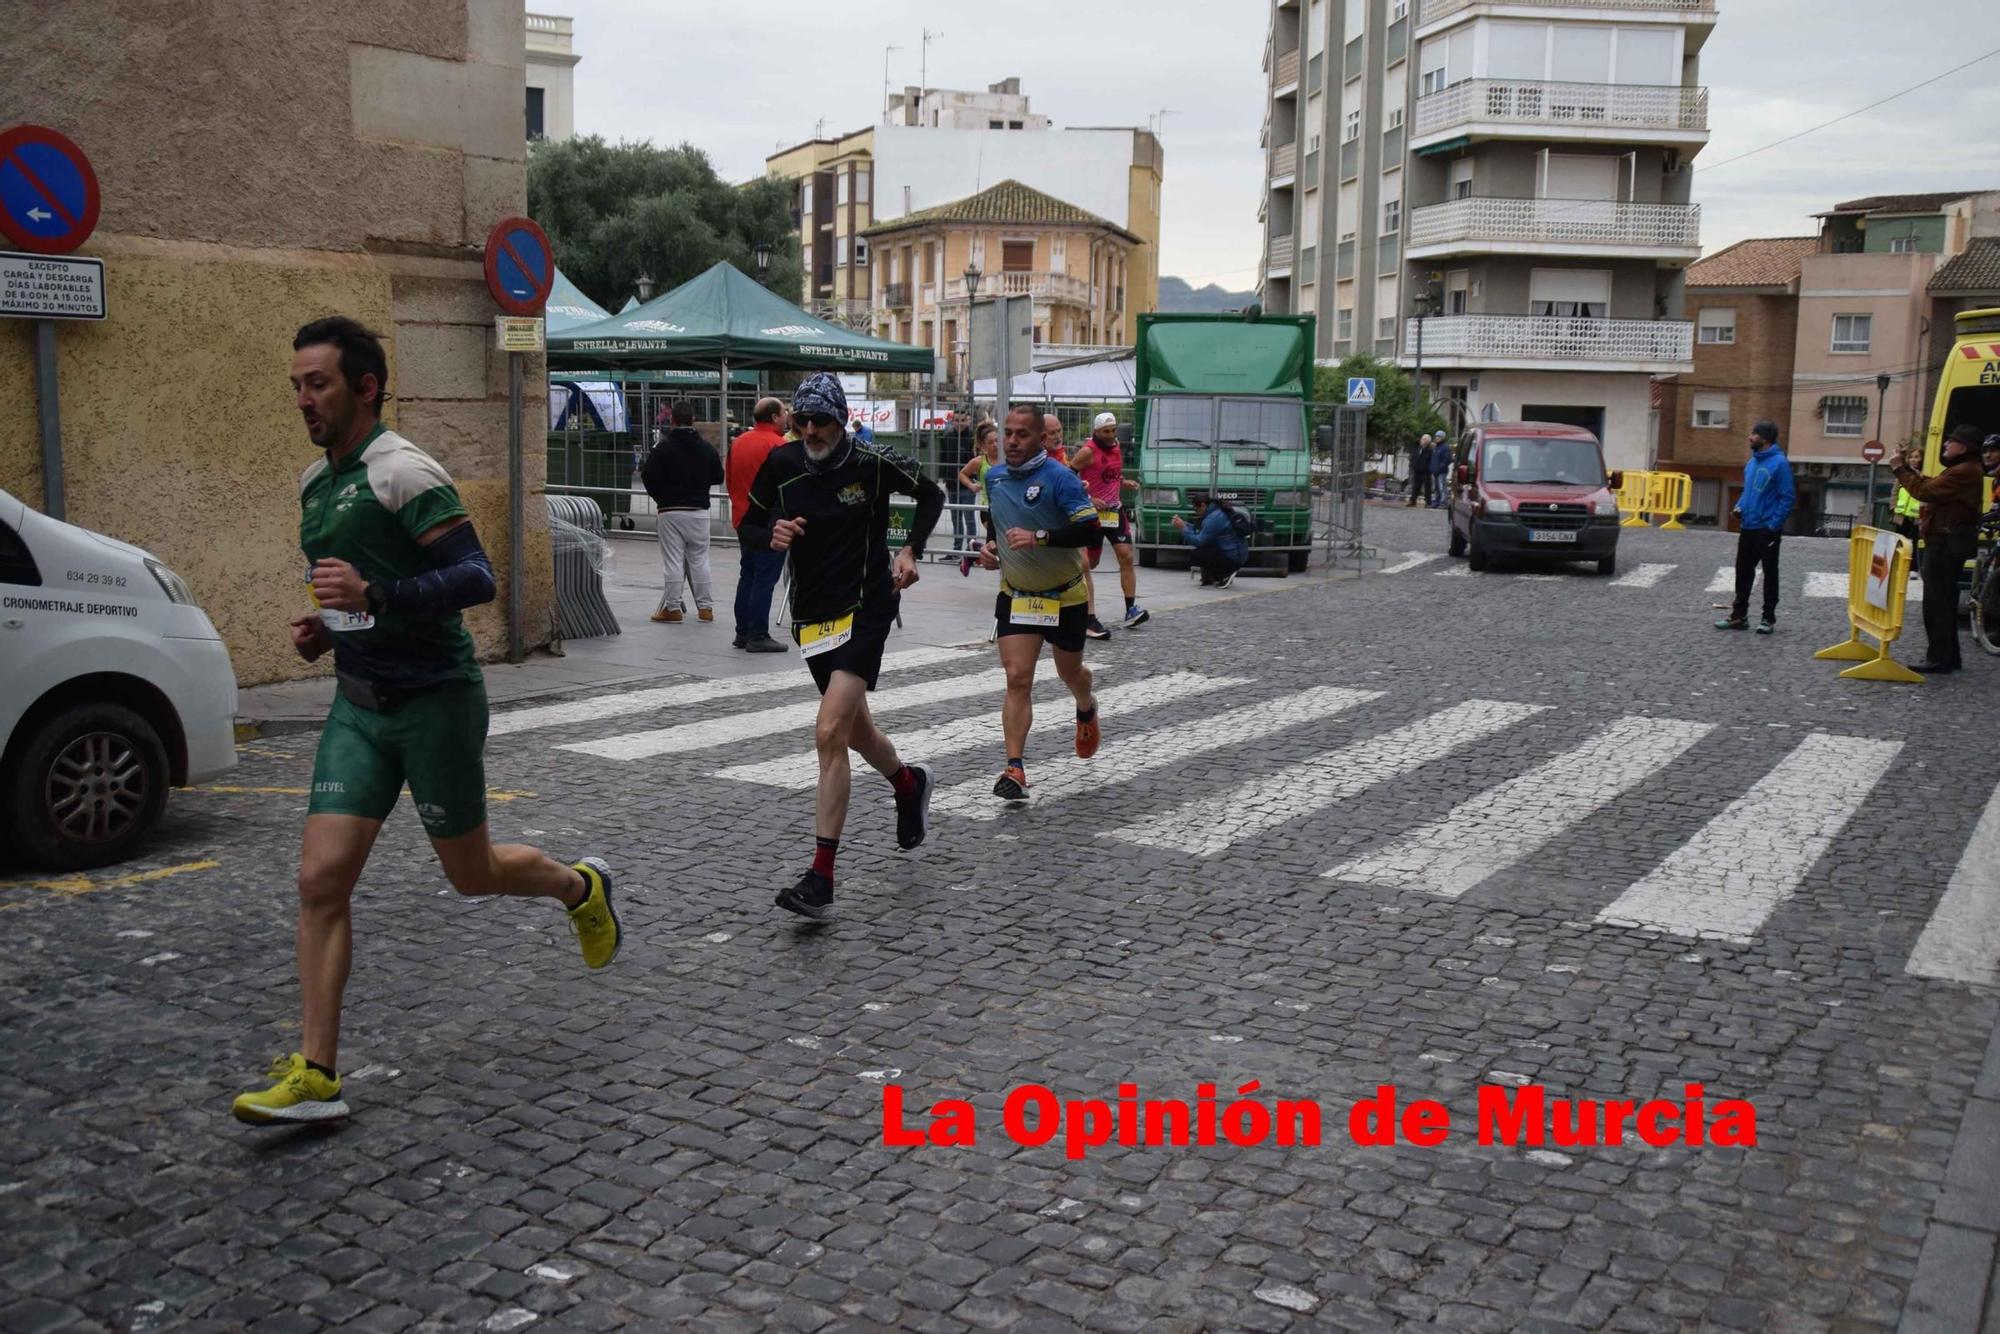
1220,536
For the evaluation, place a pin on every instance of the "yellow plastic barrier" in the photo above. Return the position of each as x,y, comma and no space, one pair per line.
1669,495
1878,567
1633,488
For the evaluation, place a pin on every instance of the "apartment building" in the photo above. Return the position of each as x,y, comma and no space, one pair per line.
1021,242
551,76
936,146
1506,183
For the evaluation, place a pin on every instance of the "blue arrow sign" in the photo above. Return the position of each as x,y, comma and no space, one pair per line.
48,193
1360,391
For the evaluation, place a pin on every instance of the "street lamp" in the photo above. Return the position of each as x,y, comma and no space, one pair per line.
972,277
1881,430
1420,306
762,255
644,282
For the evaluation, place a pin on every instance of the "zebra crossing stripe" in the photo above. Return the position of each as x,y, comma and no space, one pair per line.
1513,821
1054,715
1456,569
766,722
1646,576
626,703
1819,585
1961,942
1123,758
1730,877
1212,824
1724,581
1411,560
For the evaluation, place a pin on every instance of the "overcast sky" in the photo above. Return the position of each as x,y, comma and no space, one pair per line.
740,80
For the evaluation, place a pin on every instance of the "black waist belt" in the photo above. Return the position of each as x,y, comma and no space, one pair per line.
387,699
1049,592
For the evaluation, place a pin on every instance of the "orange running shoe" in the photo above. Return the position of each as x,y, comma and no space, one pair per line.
1012,784
1086,735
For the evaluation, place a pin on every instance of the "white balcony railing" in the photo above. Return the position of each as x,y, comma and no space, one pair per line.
1611,107
1281,254
1041,286
549,32
1433,10
1285,161
1288,69
1557,222
1551,338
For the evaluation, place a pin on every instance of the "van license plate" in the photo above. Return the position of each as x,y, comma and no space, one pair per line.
1552,535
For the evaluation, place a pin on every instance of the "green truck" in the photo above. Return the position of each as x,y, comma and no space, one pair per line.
1222,408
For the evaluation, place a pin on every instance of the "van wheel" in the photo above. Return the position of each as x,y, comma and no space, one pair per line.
91,784
1475,554
1457,547
1608,566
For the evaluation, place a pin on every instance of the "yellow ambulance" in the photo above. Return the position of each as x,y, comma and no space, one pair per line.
1969,387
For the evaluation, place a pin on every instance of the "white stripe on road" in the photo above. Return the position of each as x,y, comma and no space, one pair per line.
1128,757
1411,560
1456,569
1961,942
1212,824
1741,865
802,770
630,702
1644,577
769,722
1724,581
1513,821
1826,585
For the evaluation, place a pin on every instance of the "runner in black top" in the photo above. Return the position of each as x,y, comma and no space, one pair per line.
824,498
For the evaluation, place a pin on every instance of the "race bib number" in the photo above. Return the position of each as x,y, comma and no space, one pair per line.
1107,518
340,622
817,637
1026,609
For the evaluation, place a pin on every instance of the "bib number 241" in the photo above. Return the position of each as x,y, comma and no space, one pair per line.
817,637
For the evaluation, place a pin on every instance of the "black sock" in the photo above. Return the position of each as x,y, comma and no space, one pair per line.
315,1065
1085,715
1015,762
1130,603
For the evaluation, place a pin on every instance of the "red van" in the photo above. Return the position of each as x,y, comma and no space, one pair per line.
1533,490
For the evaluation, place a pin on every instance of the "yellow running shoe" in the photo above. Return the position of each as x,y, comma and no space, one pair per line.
593,922
298,1095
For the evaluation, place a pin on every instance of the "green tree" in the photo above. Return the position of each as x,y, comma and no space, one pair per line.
1394,422
615,211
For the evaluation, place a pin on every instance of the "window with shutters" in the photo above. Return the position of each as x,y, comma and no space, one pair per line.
1017,256
1711,411
1716,326
1570,293
1842,415
1851,333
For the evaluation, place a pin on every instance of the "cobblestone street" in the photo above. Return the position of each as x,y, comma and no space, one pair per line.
1420,828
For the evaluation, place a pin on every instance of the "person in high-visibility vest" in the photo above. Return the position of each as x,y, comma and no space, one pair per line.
1907,510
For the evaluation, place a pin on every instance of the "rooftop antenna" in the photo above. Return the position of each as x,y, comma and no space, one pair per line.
819,128
1157,122
885,78
924,71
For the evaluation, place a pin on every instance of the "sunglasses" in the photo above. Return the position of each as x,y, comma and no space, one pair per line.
819,419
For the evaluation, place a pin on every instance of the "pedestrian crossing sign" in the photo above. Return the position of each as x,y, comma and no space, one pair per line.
1360,391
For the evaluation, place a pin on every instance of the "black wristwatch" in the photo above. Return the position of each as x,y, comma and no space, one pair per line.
377,598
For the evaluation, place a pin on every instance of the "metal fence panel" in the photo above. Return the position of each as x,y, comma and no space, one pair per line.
1340,478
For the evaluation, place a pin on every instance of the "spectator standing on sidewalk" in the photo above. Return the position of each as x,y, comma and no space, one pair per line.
678,475
1950,525
972,480
1768,494
1440,471
1420,463
760,567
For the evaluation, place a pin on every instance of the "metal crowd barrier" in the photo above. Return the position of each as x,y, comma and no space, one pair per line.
1878,583
1665,495
576,537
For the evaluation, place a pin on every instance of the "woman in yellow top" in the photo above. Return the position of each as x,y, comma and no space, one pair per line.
985,453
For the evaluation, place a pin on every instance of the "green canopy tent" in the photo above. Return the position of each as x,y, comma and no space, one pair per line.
568,308
725,318
631,304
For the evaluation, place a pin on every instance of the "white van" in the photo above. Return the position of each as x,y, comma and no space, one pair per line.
113,687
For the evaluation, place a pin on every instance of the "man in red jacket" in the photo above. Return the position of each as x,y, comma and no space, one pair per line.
758,578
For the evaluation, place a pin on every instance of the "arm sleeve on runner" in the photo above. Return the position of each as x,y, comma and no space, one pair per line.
459,576
1077,533
755,530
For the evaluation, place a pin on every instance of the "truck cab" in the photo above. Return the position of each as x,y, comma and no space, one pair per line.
1533,491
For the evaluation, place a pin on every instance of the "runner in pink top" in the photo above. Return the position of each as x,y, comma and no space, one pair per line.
1100,462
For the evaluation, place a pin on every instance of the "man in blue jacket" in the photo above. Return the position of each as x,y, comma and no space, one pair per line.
1219,549
1764,506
